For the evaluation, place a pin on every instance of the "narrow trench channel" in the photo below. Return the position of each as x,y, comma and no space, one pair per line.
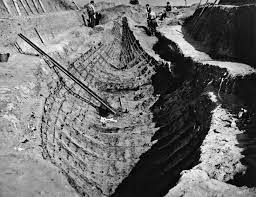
241,95
182,123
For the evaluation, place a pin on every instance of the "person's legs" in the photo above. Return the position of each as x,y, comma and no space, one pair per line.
161,17
90,20
164,15
93,21
154,25
98,18
150,26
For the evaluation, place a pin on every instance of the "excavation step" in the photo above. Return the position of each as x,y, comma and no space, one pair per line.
191,48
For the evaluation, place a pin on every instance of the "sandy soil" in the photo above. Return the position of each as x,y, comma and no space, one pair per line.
196,183
23,170
25,176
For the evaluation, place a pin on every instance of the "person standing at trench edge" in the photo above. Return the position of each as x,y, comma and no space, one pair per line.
91,13
168,7
151,20
148,8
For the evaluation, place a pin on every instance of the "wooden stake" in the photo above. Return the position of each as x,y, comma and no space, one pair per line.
29,7
22,52
203,11
76,5
121,104
23,5
198,17
17,7
7,7
39,35
18,47
36,7
42,5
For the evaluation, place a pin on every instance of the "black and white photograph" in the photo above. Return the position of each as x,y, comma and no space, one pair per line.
127,98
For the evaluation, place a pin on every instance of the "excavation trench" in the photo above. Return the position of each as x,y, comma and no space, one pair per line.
183,115
236,94
165,116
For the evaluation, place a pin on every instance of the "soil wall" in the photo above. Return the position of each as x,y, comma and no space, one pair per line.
226,31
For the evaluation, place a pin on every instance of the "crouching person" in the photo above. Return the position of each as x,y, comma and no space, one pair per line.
168,9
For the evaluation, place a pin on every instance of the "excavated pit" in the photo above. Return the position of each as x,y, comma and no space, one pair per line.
165,114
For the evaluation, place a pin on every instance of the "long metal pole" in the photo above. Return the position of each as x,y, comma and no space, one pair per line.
66,72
